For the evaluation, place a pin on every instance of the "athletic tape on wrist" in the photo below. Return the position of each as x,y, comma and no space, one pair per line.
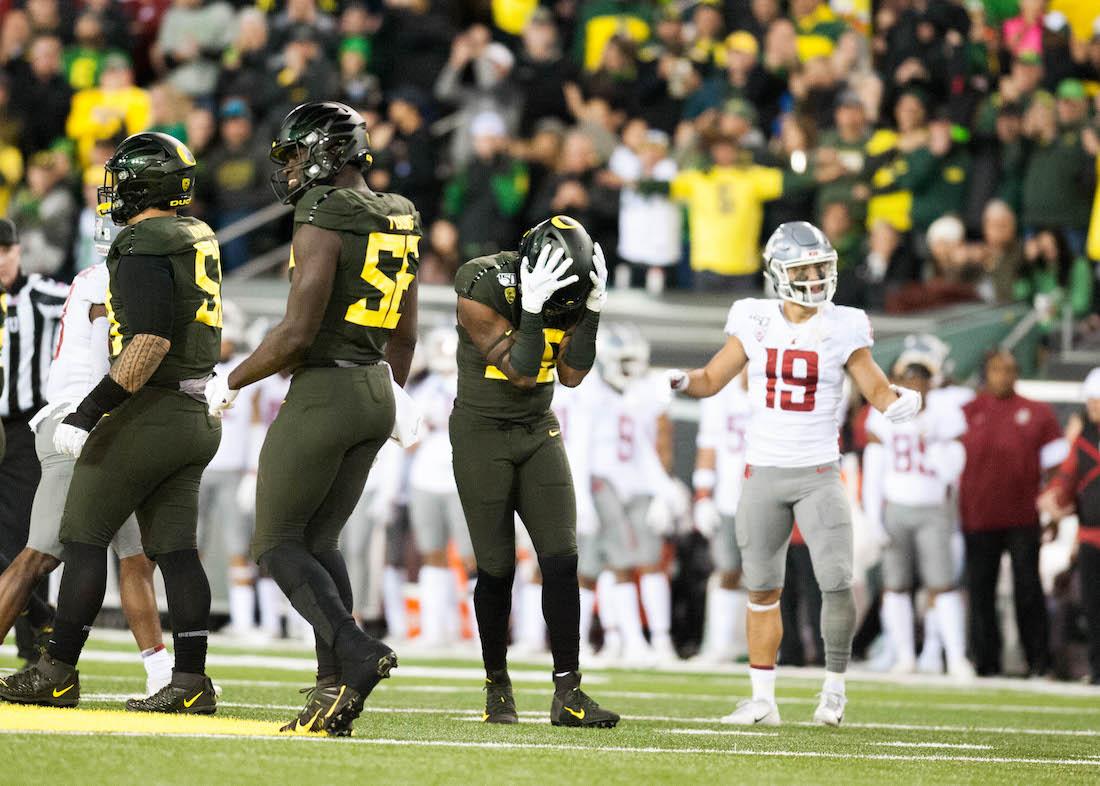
767,607
704,479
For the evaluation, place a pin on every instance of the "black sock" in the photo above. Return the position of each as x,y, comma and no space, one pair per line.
561,606
315,595
328,665
188,594
83,585
39,612
493,605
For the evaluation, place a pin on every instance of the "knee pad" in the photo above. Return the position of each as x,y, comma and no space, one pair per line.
495,584
558,567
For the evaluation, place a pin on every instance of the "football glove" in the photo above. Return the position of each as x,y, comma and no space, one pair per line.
706,517
219,396
906,407
676,379
540,281
598,296
69,440
658,517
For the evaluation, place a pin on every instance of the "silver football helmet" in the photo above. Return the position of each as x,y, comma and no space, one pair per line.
441,348
924,349
622,355
801,264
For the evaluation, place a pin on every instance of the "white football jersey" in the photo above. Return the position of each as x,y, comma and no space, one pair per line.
911,476
78,366
431,468
624,437
723,426
796,379
232,455
573,407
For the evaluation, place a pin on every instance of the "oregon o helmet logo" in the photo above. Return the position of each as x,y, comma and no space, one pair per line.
564,222
185,154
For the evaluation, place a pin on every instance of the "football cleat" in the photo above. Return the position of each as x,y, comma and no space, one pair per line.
319,699
347,702
500,705
753,712
573,707
961,670
186,694
830,710
49,683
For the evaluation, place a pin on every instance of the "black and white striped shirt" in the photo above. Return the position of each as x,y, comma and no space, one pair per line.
31,323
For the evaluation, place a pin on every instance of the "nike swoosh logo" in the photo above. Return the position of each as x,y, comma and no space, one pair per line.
484,717
57,694
339,696
188,702
553,433
307,728
574,713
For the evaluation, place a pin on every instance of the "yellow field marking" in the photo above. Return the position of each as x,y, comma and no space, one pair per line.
52,719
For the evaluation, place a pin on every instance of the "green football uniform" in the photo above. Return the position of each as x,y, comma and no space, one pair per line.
340,407
196,272
147,455
508,452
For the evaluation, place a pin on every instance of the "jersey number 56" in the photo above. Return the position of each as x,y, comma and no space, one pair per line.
388,311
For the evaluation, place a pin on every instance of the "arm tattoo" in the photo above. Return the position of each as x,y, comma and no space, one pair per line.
139,360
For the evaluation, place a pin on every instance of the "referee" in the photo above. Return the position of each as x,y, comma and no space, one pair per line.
31,318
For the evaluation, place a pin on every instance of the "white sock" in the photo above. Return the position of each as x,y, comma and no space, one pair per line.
628,615
532,626
722,612
657,600
932,650
242,607
588,606
897,620
763,684
158,668
434,600
393,602
833,682
951,622
270,600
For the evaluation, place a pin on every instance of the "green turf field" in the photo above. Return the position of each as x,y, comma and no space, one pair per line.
422,727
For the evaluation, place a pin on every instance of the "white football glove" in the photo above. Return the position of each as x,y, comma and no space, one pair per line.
706,517
676,378
69,440
906,407
598,296
246,493
540,281
219,397
658,517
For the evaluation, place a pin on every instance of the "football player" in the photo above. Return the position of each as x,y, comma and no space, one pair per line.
80,361
908,469
797,351
719,470
525,318
164,309
631,453
349,331
435,511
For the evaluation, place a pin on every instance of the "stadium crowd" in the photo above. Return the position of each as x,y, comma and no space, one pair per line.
948,150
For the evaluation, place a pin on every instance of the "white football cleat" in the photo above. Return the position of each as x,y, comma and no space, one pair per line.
904,665
664,651
753,712
830,710
961,670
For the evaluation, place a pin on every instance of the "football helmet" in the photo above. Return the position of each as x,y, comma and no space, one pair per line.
569,234
801,263
147,170
925,350
441,347
622,355
314,142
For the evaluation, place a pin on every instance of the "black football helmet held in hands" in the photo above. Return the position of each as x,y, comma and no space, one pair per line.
314,142
148,170
567,233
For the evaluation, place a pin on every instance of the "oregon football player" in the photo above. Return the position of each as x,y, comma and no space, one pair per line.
164,308
350,312
525,318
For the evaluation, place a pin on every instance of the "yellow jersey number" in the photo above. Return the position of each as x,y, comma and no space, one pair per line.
210,312
388,312
550,353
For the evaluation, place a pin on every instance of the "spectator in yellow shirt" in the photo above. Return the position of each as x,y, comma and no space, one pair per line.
725,207
116,107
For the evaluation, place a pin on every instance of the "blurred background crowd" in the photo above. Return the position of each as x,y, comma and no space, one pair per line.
948,148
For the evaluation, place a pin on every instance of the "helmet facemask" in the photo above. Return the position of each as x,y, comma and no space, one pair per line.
302,165
808,281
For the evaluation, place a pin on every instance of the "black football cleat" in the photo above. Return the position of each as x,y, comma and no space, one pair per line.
186,694
319,699
573,707
48,683
500,705
347,704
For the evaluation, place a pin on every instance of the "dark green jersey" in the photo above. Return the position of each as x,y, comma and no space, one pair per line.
379,256
483,388
192,249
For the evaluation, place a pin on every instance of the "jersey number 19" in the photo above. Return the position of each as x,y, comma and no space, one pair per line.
797,370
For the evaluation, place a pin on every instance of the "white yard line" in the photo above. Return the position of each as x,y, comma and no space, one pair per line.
961,746
481,744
